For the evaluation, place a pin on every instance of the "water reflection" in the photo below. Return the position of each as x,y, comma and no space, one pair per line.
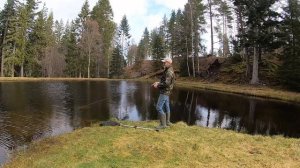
33,110
242,114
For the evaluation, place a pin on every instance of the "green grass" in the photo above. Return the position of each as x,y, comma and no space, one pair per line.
257,91
178,146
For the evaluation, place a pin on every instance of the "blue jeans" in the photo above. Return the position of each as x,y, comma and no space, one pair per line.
163,102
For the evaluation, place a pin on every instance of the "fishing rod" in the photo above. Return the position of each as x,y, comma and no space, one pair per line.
114,123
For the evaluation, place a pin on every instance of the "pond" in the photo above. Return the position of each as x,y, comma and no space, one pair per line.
33,110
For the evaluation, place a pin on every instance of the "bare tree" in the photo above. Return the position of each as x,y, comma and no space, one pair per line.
53,64
90,42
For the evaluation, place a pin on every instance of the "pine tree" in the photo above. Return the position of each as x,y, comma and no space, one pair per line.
182,39
144,48
141,51
210,6
117,62
225,17
52,63
146,45
123,32
36,45
182,46
261,21
8,33
194,14
25,25
164,33
58,31
73,67
21,40
85,12
158,50
83,16
242,47
171,33
290,70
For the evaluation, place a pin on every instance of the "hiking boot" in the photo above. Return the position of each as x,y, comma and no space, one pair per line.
168,115
162,119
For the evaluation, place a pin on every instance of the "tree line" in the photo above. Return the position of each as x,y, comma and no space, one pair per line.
250,31
32,44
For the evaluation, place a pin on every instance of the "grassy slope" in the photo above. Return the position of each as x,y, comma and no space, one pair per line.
178,146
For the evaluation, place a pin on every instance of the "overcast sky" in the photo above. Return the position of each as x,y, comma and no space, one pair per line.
140,13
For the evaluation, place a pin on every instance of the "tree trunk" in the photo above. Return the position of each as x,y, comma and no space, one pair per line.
13,64
2,50
192,35
198,65
98,68
89,63
22,70
259,54
211,28
13,70
2,63
248,66
108,66
223,35
255,79
187,57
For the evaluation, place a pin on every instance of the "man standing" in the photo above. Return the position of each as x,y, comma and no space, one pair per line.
165,86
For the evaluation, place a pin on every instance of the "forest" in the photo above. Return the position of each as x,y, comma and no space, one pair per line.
260,39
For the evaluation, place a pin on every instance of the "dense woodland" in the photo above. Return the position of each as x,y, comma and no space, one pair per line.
252,34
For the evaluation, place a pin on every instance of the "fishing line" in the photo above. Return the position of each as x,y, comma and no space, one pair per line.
101,100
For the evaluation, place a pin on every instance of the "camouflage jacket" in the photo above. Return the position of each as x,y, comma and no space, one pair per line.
167,80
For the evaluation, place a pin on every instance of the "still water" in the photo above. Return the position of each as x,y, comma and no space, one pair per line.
32,110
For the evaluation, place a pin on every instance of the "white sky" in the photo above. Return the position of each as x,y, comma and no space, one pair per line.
140,13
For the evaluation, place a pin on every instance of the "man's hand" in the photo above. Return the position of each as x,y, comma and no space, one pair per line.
155,84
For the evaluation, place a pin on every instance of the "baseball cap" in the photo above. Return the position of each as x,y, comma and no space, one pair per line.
169,60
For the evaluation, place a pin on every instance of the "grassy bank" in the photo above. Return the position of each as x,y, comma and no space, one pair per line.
257,91
178,146
248,90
